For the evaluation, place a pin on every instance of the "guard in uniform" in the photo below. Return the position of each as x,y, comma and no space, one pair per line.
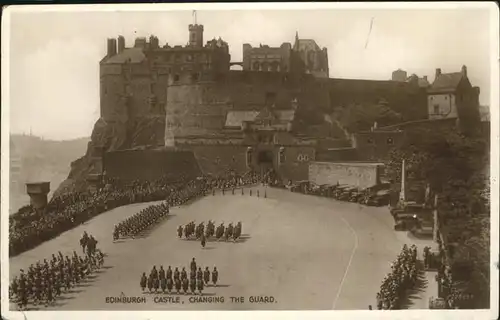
179,232
183,273
176,274
143,281
199,274
169,273
161,273
206,276
215,276
193,265
203,240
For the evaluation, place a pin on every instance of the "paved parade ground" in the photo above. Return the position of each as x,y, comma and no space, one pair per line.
301,252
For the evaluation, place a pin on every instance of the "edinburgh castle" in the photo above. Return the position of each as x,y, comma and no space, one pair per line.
183,109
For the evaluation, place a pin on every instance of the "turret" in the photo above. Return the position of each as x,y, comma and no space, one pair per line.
196,35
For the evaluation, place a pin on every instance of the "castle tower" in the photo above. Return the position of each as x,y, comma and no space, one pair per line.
195,33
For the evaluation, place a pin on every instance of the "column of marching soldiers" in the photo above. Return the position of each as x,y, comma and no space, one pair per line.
44,282
168,280
198,232
403,276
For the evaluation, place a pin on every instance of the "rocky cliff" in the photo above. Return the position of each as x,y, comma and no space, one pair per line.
112,136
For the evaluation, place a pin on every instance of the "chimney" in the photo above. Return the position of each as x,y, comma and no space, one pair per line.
153,42
464,71
121,44
438,72
111,47
425,78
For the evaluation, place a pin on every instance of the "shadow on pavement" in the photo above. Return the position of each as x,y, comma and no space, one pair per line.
414,293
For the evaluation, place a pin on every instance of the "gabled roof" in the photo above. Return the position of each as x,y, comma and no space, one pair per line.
446,82
131,55
307,44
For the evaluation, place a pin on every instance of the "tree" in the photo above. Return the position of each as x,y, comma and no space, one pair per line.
359,117
455,166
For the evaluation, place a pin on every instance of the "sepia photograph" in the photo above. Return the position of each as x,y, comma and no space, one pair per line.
250,157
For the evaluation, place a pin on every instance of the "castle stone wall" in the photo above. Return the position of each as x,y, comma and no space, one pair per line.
362,175
150,164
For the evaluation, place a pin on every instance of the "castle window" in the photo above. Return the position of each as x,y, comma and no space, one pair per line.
281,157
189,58
390,141
369,141
176,78
436,109
249,157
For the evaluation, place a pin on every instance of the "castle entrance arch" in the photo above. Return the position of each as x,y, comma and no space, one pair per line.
265,160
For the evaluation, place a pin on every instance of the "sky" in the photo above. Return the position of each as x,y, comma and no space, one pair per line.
54,56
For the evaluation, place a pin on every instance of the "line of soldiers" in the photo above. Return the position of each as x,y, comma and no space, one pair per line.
178,281
403,276
43,283
191,231
29,227
140,221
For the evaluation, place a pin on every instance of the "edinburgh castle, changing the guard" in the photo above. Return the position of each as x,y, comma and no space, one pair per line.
183,110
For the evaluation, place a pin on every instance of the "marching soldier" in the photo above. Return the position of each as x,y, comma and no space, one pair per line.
179,232
192,275
176,274
206,276
215,276
169,273
143,281
203,240
183,273
161,273
193,265
199,274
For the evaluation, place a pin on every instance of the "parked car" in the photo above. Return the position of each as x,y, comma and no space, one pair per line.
379,198
346,193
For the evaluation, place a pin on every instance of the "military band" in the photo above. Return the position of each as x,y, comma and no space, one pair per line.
178,282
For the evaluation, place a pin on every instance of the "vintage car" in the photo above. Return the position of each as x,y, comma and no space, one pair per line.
379,198
346,193
339,190
300,186
357,195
